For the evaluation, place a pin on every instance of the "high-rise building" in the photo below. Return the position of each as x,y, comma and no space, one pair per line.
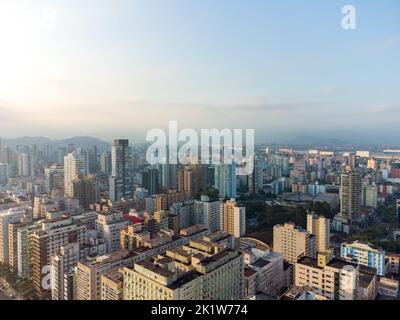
90,271
169,176
3,173
257,181
365,254
372,164
105,162
24,165
109,226
47,242
121,181
62,268
263,271
24,249
54,177
350,195
233,218
74,168
370,196
199,271
185,213
90,159
225,180
150,180
320,227
207,213
334,279
7,217
13,228
112,285
293,242
166,200
85,190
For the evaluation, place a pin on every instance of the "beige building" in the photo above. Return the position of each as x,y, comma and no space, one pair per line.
199,271
320,227
112,285
336,279
165,201
13,246
90,271
7,217
73,170
233,218
24,249
293,242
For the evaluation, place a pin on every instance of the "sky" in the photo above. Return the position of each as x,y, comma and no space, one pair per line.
116,69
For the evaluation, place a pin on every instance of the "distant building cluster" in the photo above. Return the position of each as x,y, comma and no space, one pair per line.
97,222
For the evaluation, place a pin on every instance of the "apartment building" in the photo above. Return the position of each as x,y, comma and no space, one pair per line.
335,279
47,242
198,271
109,225
112,285
320,227
233,218
62,265
89,273
207,213
365,254
263,269
293,242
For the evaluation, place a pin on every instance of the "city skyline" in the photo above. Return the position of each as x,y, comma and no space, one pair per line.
120,69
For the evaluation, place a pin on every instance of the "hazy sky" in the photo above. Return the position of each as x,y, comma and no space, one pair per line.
119,68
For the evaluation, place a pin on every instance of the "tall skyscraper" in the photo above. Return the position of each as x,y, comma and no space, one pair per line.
24,165
320,227
225,180
121,181
105,162
73,169
150,180
233,218
350,195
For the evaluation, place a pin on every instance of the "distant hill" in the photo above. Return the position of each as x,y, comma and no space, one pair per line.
77,141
